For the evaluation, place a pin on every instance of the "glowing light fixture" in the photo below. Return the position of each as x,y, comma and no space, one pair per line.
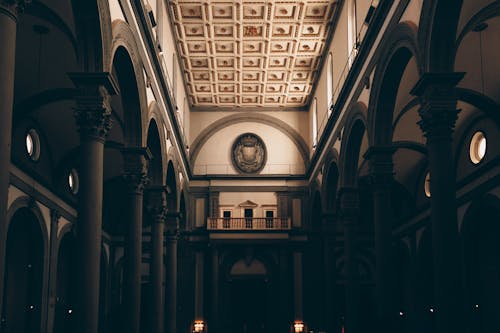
298,327
199,326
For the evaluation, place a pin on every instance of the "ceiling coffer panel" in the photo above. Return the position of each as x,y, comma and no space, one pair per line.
251,53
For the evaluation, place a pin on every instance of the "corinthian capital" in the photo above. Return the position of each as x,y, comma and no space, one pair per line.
135,162
93,110
13,7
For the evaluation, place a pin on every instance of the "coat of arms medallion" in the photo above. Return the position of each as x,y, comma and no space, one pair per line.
249,153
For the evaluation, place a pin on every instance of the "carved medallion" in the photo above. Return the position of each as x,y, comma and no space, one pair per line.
249,153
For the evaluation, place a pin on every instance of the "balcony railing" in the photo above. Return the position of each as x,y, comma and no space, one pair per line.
249,223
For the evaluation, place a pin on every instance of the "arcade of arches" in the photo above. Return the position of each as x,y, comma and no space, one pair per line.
174,166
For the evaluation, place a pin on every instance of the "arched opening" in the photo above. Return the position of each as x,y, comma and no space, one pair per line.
332,181
481,232
425,284
314,272
24,269
249,291
172,188
403,307
65,286
155,170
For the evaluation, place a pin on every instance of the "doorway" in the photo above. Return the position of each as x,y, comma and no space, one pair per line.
248,310
23,274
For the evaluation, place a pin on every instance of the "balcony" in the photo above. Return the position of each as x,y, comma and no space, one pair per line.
249,223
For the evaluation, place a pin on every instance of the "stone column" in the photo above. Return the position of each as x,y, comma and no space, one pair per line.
53,264
349,213
298,298
93,117
135,176
172,232
199,280
156,207
214,326
330,313
284,289
9,11
381,177
438,113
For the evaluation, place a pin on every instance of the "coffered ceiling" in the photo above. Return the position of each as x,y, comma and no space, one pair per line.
251,53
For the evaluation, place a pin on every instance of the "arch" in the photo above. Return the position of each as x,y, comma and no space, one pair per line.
155,169
490,11
249,117
94,36
331,183
171,182
398,48
437,32
65,286
480,232
25,284
156,114
129,72
316,212
354,129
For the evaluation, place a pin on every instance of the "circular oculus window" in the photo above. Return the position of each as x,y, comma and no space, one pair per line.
32,144
73,181
427,185
477,148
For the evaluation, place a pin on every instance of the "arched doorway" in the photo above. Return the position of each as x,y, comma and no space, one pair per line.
249,309
481,232
24,268
66,288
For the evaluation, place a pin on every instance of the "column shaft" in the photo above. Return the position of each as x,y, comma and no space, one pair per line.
349,207
156,207
157,276
171,284
199,280
89,234
92,114
438,112
297,286
7,66
215,290
135,167
381,174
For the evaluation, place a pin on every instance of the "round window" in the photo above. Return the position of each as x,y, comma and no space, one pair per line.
477,148
32,142
73,181
427,185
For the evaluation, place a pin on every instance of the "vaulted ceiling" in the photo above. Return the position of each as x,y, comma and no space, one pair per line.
251,53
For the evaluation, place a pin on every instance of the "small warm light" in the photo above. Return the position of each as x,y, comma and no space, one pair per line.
199,325
431,310
70,311
29,144
401,313
476,306
298,327
32,307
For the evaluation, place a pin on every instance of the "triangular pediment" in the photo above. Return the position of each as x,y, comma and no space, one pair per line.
248,203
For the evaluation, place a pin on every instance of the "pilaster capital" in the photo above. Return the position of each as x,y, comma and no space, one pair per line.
135,165
93,110
156,203
381,165
172,223
438,101
349,204
13,7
